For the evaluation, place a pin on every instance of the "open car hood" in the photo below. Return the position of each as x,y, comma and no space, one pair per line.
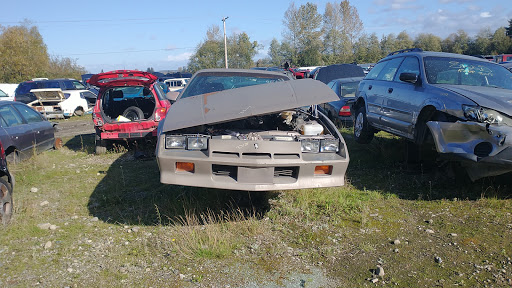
122,78
235,104
49,94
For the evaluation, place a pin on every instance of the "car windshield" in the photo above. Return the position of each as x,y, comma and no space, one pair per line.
210,82
456,71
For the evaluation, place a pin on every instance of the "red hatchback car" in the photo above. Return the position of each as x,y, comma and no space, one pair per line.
129,106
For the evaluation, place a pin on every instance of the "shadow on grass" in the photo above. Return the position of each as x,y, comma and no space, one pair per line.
81,142
142,148
382,165
131,193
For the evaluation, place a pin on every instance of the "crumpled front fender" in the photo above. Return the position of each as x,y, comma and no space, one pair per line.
487,145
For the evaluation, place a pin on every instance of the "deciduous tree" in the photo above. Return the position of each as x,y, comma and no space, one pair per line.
303,33
23,54
428,42
500,42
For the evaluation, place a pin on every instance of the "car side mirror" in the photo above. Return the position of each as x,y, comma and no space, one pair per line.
409,77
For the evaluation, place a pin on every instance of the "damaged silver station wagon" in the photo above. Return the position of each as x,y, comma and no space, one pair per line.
251,130
461,103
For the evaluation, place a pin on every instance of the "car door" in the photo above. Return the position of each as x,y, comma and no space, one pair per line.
372,99
383,88
18,130
404,102
42,129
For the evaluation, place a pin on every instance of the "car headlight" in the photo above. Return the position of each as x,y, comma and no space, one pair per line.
175,142
484,115
197,143
329,145
310,145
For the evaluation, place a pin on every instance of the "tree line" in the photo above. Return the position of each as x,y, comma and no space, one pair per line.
24,55
337,36
209,53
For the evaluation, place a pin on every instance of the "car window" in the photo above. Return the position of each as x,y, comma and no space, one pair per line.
388,72
77,85
3,94
376,70
410,65
29,114
87,94
25,87
51,84
210,82
458,71
333,87
159,92
10,117
349,89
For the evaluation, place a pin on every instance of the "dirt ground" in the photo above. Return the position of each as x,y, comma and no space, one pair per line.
74,126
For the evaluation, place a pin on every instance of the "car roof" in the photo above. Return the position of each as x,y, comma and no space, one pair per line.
242,71
345,80
421,53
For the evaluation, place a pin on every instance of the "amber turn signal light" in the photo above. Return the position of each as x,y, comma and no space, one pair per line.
323,170
185,167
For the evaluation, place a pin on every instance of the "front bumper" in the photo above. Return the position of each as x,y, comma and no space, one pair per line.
486,150
251,166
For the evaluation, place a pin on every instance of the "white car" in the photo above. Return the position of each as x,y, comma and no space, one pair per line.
176,83
55,103
4,96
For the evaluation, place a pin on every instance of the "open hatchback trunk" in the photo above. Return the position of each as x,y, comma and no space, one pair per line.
47,102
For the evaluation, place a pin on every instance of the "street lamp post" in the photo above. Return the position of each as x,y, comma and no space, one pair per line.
225,43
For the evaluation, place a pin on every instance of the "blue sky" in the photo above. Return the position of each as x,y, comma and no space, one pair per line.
129,34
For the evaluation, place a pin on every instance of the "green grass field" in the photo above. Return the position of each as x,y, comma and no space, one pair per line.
116,225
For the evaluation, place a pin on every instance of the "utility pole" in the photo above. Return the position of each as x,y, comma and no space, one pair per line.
225,43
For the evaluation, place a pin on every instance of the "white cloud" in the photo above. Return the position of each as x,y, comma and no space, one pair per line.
180,57
485,14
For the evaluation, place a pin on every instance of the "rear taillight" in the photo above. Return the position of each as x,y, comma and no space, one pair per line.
344,111
96,118
160,113
2,151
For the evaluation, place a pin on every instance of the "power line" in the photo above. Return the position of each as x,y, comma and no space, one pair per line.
128,51
96,20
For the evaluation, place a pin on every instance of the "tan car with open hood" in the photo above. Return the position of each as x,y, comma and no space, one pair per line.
251,130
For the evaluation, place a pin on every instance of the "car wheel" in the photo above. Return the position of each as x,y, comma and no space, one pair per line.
79,111
363,132
101,147
133,113
6,201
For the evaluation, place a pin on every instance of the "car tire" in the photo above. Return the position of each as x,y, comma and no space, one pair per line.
6,202
363,132
101,145
133,113
79,111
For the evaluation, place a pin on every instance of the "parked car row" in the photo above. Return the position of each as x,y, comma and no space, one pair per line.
56,98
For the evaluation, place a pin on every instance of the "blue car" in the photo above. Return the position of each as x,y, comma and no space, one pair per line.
339,111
